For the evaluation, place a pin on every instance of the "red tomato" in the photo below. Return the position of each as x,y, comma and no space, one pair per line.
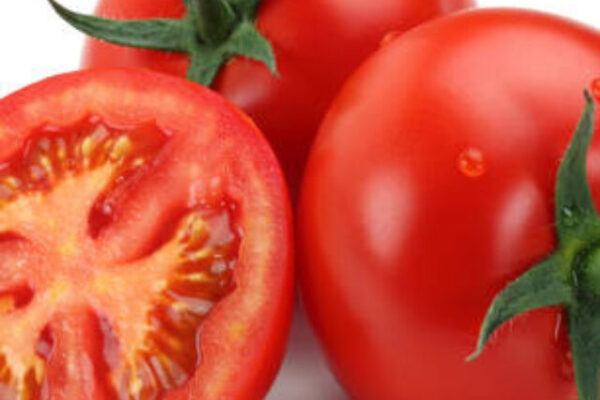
429,188
317,44
145,243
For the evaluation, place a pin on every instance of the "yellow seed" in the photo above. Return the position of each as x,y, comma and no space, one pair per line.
197,229
179,306
87,147
61,149
38,369
11,182
135,383
7,304
169,339
199,255
138,162
121,148
197,277
47,165
186,227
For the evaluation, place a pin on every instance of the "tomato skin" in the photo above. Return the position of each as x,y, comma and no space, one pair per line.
429,188
312,62
243,340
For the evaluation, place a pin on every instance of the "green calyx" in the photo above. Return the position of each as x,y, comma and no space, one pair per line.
211,33
570,277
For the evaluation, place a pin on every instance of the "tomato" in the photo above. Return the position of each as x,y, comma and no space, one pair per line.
429,188
317,44
145,243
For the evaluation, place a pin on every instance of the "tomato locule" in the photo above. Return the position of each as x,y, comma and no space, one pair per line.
145,245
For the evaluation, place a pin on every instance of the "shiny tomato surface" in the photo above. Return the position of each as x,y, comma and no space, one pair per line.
429,188
145,245
317,44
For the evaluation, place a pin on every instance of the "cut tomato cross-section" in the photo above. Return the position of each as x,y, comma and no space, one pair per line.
145,246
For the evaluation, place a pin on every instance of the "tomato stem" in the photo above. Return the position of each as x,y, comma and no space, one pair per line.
211,33
569,278
214,19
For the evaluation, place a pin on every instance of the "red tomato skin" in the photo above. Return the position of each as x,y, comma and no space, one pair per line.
405,241
240,363
317,44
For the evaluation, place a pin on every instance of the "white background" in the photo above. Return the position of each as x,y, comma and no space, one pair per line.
36,44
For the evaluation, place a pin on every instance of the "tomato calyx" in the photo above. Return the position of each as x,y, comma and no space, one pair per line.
570,277
211,33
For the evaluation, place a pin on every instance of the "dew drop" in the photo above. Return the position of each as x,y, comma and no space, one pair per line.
389,37
596,89
471,163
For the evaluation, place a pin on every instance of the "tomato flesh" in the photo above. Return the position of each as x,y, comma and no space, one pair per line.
182,279
96,314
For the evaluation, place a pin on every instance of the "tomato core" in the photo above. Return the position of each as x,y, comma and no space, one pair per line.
136,319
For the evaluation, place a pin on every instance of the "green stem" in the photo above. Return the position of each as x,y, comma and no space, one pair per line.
211,33
215,20
571,276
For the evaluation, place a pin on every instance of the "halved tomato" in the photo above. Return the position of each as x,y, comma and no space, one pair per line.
145,245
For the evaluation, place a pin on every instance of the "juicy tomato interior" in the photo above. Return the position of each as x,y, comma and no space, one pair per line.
145,312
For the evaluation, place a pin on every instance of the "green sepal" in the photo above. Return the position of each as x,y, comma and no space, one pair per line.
571,276
215,19
573,200
156,34
544,285
247,41
212,32
204,65
246,8
584,336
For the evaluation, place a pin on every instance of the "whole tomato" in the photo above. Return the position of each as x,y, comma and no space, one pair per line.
429,188
316,44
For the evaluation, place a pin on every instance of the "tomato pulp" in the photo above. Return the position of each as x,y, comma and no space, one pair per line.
317,44
430,187
145,243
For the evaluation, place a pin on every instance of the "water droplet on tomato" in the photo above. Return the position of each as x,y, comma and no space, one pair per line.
389,37
471,163
596,89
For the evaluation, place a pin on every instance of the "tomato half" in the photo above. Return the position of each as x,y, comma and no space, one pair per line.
145,246
317,44
429,189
